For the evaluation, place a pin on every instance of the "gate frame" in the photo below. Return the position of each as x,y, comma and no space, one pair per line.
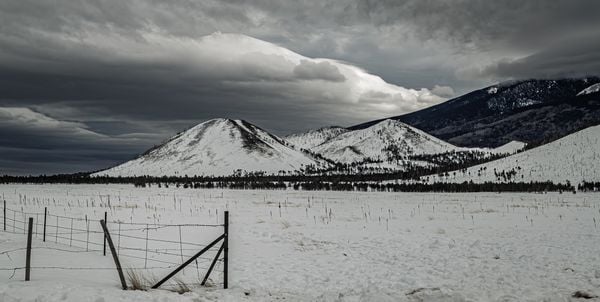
224,247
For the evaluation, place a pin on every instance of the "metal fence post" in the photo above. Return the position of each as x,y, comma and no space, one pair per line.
105,221
45,214
226,250
28,257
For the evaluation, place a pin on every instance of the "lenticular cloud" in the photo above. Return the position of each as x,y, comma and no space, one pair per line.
235,61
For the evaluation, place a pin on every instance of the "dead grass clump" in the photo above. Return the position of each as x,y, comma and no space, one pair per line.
137,281
180,287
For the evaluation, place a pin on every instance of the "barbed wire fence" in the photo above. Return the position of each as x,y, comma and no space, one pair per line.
148,250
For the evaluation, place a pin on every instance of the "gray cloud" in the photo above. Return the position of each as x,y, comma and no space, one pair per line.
158,90
326,71
121,76
35,143
443,91
568,59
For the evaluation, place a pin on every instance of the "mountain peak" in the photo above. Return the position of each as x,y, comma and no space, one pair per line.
387,141
215,121
390,123
217,147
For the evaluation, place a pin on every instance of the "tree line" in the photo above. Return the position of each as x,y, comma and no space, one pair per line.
589,186
370,187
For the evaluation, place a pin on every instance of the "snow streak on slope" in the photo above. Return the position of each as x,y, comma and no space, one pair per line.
217,147
313,138
573,158
592,89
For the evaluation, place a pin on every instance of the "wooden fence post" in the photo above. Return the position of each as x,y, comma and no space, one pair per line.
114,254
226,250
28,257
45,214
105,221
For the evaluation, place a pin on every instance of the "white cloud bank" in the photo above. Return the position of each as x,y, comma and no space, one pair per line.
235,61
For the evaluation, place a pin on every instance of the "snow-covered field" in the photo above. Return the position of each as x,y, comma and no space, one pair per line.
329,246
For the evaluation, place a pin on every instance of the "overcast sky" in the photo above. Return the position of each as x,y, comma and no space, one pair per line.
87,84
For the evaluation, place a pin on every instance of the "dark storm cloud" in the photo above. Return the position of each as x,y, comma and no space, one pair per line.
486,22
31,142
107,79
569,59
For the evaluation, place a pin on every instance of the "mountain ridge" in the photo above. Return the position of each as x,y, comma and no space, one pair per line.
533,111
394,145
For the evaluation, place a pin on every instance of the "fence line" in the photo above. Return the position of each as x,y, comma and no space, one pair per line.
84,235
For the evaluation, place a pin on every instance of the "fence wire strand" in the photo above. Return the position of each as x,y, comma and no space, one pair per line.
54,231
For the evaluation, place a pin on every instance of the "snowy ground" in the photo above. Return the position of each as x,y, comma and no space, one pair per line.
331,246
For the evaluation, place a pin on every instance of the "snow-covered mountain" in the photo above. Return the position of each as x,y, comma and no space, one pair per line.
386,141
392,142
224,147
573,158
217,147
533,111
313,138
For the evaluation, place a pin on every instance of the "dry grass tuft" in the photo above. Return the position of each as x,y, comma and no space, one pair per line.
180,287
138,281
